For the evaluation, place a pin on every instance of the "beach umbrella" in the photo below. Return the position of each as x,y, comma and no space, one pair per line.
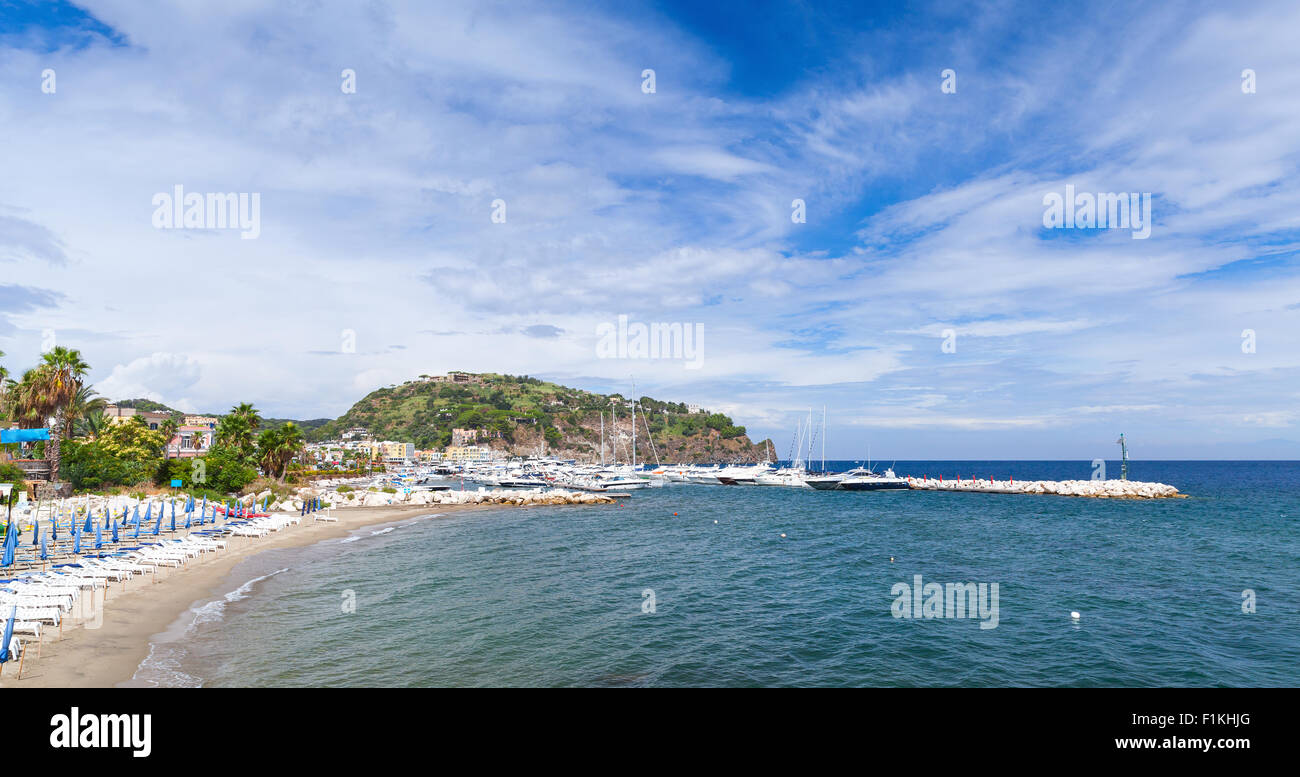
87,526
148,512
11,542
56,528
203,510
76,540
36,531
45,549
136,520
114,524
266,504
9,635
99,537
188,515
157,523
173,515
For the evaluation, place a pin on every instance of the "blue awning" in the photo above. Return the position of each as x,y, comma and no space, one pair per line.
23,435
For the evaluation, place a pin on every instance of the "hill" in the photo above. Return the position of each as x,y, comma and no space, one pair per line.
522,415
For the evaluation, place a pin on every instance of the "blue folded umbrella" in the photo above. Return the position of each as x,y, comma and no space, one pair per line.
9,635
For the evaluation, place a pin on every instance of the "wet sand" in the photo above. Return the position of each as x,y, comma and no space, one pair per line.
87,657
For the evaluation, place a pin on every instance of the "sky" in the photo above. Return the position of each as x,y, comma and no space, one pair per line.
502,185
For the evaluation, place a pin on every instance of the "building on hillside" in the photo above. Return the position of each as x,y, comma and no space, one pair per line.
191,440
356,432
120,415
469,454
392,452
462,437
455,377
429,456
694,409
207,421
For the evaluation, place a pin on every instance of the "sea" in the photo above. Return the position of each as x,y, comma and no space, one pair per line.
734,586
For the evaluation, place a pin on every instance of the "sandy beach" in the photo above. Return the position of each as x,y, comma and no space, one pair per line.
135,611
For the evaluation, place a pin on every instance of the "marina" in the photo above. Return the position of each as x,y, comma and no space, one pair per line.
418,486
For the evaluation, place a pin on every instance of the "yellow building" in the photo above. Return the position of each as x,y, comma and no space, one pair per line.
392,451
467,453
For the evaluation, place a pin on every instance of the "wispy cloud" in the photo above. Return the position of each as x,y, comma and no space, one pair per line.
923,209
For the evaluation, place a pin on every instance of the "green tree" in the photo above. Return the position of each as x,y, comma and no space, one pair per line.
85,402
132,441
277,447
44,395
236,433
168,430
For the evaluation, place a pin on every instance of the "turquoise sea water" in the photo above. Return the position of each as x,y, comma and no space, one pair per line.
558,595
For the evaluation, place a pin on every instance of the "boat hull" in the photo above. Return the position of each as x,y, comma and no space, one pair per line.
866,485
824,485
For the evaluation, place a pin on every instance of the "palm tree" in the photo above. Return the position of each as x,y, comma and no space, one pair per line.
95,424
85,402
63,369
291,444
234,432
267,444
249,413
168,429
277,447
45,393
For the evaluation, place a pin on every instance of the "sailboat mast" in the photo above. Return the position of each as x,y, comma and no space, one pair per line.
633,424
823,438
809,459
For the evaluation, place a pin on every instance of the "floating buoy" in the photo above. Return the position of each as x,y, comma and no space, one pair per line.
715,520
674,515
1074,615
891,559
782,536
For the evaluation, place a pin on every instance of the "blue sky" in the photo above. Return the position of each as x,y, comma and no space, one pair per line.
924,210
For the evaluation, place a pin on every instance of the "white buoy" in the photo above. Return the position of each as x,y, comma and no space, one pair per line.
782,536
1074,615
715,521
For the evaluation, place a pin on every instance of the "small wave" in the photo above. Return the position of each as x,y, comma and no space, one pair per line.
382,531
162,667
216,609
348,539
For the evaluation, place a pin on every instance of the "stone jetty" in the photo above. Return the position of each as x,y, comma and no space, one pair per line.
1096,489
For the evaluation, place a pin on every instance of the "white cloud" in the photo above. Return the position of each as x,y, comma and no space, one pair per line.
162,377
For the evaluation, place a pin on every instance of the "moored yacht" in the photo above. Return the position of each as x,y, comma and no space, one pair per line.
870,481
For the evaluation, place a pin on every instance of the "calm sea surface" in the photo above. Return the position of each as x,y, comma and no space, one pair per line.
559,595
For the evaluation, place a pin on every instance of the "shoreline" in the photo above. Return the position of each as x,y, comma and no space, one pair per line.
109,656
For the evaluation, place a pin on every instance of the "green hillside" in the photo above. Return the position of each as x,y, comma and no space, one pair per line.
523,415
